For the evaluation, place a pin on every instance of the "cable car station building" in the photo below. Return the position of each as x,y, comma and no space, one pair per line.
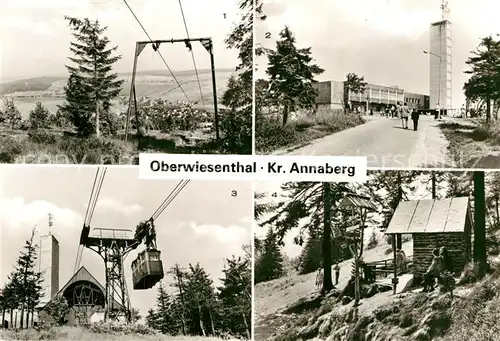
335,95
85,297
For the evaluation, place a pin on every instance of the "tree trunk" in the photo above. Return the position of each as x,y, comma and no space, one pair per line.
11,318
479,217
211,321
97,119
488,110
181,294
21,317
327,242
433,180
497,212
202,327
247,329
286,110
3,317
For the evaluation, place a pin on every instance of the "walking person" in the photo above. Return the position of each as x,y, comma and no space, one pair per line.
415,115
337,273
319,279
404,116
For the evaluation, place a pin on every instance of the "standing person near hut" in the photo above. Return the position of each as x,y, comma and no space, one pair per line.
337,273
401,260
434,270
320,276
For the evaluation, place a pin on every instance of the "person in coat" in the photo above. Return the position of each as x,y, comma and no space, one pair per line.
415,115
434,271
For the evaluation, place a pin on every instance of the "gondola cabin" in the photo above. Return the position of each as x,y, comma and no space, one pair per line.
147,269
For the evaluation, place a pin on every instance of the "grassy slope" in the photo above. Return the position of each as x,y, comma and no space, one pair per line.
273,297
473,144
472,315
80,334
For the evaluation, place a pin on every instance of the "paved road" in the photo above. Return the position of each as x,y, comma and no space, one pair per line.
386,144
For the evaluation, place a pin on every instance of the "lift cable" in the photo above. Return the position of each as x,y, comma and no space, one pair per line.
101,180
164,201
188,43
175,192
157,50
94,195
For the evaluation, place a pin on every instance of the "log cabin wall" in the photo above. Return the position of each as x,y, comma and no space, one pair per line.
425,243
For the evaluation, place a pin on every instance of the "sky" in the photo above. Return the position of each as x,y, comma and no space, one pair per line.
203,224
35,37
382,40
274,194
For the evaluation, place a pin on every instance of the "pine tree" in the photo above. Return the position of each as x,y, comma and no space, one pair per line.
311,256
484,83
39,117
388,188
162,318
310,200
11,114
200,299
269,265
179,275
291,74
93,81
235,296
236,125
78,106
26,282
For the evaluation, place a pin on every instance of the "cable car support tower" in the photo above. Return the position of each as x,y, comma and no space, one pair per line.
113,245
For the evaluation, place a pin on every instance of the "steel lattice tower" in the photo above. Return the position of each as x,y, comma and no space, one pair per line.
112,245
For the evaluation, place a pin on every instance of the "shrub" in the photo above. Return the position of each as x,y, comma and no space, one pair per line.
39,117
470,274
236,131
166,116
271,134
11,114
117,328
57,308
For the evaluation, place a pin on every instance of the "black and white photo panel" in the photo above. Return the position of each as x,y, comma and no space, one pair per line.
406,255
92,253
101,81
400,82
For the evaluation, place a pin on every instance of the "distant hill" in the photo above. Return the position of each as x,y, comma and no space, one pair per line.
45,82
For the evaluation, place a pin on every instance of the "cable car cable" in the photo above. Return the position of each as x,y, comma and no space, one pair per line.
167,203
168,196
192,54
157,50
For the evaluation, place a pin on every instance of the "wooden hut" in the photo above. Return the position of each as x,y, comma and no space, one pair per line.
433,224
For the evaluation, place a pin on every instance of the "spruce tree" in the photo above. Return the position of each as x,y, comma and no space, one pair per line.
269,265
291,74
39,117
94,85
26,281
235,296
310,200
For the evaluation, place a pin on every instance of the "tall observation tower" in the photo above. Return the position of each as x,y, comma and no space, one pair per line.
440,61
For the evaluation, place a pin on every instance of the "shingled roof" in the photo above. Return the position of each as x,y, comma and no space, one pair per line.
430,216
